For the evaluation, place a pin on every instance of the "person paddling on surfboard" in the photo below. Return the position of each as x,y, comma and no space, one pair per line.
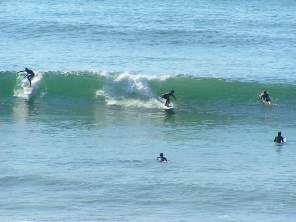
279,138
161,158
29,74
167,96
265,97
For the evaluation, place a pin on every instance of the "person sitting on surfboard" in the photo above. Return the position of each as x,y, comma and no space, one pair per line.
279,138
265,97
161,158
167,96
29,74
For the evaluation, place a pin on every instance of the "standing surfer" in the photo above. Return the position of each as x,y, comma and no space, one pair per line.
29,74
167,96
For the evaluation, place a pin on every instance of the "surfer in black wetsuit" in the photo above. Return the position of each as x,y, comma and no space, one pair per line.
167,96
265,96
279,138
161,158
29,74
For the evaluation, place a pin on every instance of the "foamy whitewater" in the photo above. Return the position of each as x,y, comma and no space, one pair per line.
81,144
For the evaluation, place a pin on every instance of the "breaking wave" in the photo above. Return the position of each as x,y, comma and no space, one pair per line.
125,89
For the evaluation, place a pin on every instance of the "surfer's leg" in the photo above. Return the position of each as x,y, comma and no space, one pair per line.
29,78
167,102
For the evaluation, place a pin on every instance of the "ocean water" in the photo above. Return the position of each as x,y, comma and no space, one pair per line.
83,145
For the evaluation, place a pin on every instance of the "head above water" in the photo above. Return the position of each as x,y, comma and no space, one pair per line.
172,91
161,154
279,133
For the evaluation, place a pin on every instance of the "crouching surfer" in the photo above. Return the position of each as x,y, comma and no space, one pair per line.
265,97
167,96
29,74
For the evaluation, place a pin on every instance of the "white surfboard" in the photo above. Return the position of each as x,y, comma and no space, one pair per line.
168,108
28,91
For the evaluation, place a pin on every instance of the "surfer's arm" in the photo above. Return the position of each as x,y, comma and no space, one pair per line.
23,72
174,97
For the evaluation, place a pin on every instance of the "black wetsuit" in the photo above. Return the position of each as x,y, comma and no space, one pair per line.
30,75
162,159
279,139
166,96
265,97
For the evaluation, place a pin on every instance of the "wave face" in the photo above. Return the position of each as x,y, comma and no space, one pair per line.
140,90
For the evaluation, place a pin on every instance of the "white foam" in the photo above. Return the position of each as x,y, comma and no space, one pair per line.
136,103
101,93
22,88
131,84
129,90
142,77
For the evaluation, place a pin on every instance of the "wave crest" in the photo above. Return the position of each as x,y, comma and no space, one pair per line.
125,89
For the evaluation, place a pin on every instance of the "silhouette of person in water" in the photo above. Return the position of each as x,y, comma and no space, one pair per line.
265,96
167,96
29,75
161,158
279,138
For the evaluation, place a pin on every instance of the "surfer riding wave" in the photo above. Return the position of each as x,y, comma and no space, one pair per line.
167,96
29,74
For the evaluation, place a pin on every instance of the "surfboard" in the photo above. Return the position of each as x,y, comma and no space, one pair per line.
168,108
